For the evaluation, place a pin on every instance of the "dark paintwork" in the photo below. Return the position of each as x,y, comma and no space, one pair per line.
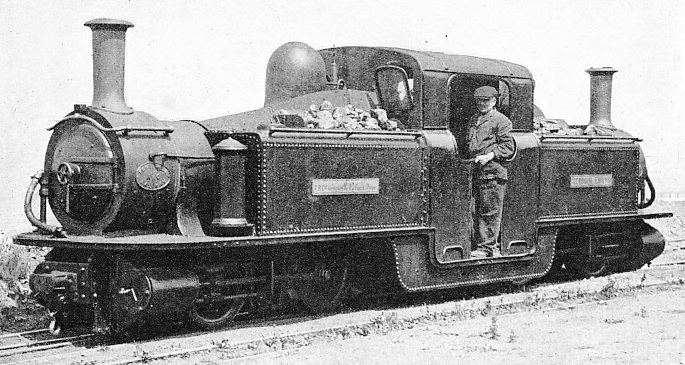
521,200
419,275
292,163
450,199
114,165
170,242
560,160
281,164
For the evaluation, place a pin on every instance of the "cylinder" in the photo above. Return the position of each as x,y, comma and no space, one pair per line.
229,218
139,293
109,43
600,96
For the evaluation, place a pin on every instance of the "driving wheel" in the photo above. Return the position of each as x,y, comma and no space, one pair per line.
319,284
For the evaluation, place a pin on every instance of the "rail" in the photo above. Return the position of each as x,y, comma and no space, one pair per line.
12,344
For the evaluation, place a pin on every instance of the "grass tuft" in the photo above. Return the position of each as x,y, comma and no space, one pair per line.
493,332
609,290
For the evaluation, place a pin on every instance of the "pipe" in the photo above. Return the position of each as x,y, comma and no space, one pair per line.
44,193
600,97
109,44
652,194
41,225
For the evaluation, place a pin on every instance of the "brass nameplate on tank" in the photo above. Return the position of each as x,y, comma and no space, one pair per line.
152,177
592,181
345,186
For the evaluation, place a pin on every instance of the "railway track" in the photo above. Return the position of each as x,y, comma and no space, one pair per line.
13,344
672,247
25,347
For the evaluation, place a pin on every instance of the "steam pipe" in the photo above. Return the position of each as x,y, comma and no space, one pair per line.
44,193
39,223
109,43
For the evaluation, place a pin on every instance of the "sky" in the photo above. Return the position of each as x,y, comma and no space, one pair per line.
202,59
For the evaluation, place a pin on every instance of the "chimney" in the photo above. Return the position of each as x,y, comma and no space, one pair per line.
109,44
600,97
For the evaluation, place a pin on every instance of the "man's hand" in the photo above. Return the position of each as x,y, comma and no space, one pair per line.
484,159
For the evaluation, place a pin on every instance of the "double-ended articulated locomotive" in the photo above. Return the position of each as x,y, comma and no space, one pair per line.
353,175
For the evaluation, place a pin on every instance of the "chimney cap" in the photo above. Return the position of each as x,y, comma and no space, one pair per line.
108,23
600,70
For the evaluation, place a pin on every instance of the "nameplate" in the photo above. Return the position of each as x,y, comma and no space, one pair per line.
345,186
592,181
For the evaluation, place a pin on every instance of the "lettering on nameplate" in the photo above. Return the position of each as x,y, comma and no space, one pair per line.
345,186
592,181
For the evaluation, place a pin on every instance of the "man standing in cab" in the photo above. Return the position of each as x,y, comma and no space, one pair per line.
490,145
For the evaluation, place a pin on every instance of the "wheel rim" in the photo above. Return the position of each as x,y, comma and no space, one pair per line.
216,314
588,268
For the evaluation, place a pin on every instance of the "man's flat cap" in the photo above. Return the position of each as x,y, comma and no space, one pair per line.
485,92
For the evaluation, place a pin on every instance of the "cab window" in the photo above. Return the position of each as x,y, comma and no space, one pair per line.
394,89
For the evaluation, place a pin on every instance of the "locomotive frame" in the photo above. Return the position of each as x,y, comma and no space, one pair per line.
253,211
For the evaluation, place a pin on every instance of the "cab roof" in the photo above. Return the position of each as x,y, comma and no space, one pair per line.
443,62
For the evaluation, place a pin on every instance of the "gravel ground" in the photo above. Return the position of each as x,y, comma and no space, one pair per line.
18,310
641,328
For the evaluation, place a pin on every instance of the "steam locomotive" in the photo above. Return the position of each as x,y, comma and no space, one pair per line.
352,175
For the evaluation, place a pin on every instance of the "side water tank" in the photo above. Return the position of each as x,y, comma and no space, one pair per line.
294,69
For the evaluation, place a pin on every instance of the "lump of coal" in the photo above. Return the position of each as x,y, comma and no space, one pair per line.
326,116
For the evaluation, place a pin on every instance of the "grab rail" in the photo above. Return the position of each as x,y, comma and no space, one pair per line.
125,129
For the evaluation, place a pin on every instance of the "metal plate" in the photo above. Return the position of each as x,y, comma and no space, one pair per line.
152,177
592,181
345,186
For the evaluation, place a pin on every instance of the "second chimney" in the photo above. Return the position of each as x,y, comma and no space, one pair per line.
600,97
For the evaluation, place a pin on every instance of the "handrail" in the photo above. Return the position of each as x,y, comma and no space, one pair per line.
125,129
588,137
